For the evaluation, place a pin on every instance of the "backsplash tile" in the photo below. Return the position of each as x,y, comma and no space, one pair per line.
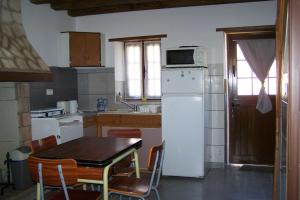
97,83
64,87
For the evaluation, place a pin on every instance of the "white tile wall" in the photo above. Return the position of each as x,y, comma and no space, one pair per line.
216,69
217,119
217,102
216,84
216,137
217,154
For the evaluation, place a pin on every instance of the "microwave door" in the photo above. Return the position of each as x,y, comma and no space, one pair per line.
180,57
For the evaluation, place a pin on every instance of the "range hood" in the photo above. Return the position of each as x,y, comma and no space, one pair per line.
18,59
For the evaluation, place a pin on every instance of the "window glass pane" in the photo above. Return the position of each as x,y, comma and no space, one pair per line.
134,88
134,70
272,86
256,86
153,68
272,72
239,53
244,86
243,69
154,88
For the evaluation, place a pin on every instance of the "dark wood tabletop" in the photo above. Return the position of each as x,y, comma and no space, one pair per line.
91,151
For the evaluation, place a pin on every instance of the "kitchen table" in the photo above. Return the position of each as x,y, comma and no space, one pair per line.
95,152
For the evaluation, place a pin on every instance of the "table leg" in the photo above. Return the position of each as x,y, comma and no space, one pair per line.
105,182
136,163
38,191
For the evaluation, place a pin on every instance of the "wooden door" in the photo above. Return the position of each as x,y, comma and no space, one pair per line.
252,134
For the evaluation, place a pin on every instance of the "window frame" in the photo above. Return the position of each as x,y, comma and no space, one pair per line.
143,70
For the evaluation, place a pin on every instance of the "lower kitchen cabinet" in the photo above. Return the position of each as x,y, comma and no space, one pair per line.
89,126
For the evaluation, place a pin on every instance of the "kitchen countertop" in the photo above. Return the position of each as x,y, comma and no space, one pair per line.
92,113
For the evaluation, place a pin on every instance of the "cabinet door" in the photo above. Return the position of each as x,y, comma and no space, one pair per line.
77,49
92,49
84,49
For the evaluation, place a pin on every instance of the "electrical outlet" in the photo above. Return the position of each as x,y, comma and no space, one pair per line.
49,91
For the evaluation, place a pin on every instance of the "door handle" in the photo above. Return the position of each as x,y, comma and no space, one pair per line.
235,104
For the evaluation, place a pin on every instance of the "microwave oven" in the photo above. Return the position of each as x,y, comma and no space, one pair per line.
186,56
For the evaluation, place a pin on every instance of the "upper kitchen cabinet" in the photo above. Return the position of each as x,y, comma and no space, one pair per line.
80,49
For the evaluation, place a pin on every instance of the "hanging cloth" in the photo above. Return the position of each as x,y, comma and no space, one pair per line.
260,54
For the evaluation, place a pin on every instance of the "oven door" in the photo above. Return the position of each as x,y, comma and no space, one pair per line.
70,131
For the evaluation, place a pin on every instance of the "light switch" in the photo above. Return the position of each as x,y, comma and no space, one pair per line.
49,91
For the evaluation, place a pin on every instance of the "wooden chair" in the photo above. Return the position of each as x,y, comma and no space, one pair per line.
58,173
84,173
141,187
43,144
124,167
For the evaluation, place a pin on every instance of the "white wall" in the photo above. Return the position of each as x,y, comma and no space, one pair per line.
184,26
43,26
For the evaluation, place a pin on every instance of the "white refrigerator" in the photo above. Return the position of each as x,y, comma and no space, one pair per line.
184,119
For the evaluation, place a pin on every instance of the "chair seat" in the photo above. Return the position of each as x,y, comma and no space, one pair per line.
92,173
73,194
129,185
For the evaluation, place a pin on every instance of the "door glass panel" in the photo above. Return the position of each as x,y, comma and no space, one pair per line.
239,53
272,86
244,86
272,72
256,86
244,70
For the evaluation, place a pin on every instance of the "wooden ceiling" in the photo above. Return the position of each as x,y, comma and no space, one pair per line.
94,7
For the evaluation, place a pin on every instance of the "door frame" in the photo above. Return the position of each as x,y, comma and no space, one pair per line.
234,33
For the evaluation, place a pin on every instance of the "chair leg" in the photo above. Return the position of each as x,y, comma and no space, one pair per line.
156,193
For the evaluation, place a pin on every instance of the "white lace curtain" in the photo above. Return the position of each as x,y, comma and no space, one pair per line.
260,54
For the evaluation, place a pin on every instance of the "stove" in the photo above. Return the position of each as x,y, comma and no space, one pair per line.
47,112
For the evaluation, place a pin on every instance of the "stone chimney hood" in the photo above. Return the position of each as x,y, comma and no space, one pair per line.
18,59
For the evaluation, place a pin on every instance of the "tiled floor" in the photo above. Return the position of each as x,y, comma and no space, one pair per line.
220,184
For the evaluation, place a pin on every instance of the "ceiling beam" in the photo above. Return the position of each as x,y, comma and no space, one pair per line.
87,4
40,1
112,6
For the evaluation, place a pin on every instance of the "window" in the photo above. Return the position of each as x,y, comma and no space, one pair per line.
143,68
248,83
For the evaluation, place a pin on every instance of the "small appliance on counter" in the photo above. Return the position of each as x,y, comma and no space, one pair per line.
69,107
64,105
73,106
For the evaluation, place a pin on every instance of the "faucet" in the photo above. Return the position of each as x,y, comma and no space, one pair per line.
134,107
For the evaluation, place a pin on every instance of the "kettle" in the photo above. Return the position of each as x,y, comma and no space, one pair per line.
73,106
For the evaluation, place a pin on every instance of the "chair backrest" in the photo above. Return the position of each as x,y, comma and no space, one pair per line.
50,173
124,133
43,144
155,162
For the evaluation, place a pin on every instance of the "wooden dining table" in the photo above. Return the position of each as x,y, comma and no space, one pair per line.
95,152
